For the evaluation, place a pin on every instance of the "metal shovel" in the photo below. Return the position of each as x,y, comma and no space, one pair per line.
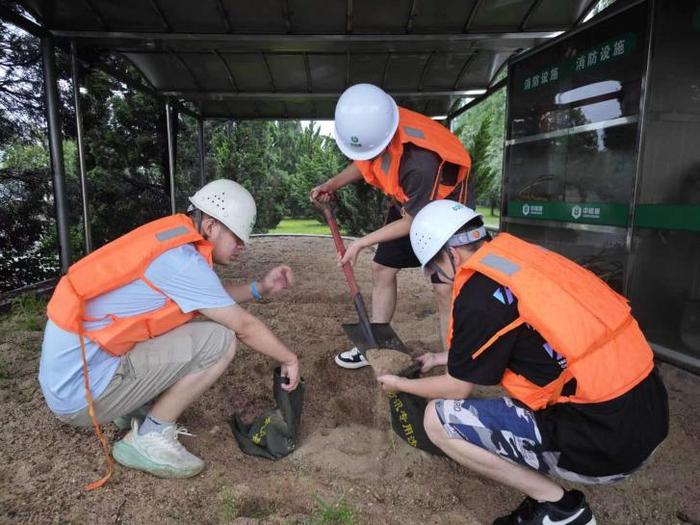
364,335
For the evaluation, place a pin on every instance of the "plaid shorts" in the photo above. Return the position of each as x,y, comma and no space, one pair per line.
510,431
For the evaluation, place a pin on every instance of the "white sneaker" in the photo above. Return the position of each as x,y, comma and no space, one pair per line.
351,359
160,454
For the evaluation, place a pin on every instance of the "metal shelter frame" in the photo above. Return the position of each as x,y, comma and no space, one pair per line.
278,59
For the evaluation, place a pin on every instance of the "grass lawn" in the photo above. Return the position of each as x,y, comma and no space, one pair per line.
489,220
301,226
312,226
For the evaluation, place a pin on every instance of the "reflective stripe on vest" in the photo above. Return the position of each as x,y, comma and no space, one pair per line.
386,162
383,171
574,311
170,234
500,264
413,132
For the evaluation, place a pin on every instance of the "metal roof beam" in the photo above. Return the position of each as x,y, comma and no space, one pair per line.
463,71
187,68
423,73
300,39
307,68
161,15
286,15
498,85
91,7
411,16
286,95
533,7
348,17
224,16
589,6
231,78
470,18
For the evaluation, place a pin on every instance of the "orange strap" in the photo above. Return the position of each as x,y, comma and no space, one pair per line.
436,183
91,410
511,326
463,193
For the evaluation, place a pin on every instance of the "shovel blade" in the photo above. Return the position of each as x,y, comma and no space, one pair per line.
383,333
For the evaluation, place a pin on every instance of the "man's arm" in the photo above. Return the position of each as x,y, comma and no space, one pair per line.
436,387
253,332
388,232
323,192
276,280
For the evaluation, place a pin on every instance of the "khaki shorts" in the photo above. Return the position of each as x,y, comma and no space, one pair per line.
153,366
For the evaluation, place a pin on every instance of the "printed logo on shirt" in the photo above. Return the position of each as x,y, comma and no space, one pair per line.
560,359
504,295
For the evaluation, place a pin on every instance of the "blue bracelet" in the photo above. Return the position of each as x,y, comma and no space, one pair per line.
254,290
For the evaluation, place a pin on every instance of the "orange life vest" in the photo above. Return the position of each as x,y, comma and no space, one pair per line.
114,265
383,171
574,311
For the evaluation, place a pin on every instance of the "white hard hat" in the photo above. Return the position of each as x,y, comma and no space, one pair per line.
437,223
366,119
229,203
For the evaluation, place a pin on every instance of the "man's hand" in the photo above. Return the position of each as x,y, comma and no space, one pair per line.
290,369
390,383
278,279
430,360
351,253
322,193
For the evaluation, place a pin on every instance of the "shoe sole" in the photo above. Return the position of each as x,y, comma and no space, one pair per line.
350,366
128,457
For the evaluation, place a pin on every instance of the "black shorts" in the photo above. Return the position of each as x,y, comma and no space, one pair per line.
397,253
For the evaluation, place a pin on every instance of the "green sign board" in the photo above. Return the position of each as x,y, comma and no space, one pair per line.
647,216
610,214
596,56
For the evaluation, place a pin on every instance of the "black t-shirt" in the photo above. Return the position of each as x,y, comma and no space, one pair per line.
599,439
417,171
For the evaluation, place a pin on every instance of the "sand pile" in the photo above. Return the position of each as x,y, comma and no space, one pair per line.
388,361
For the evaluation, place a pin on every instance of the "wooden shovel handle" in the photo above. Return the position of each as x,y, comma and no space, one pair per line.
340,248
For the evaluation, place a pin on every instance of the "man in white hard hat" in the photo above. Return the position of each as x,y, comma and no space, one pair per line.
413,160
584,401
125,308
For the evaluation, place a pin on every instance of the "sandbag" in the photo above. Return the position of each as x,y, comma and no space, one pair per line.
407,411
272,435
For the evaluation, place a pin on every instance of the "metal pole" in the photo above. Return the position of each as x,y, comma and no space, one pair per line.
171,153
644,104
53,118
202,153
81,152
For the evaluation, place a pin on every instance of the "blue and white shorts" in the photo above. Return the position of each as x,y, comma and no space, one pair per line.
510,431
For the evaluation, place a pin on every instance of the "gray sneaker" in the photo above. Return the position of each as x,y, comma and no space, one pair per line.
160,454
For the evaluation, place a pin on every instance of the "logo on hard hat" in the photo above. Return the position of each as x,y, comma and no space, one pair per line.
354,139
476,234
576,212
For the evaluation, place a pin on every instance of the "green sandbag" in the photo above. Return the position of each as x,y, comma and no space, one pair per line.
407,412
272,435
